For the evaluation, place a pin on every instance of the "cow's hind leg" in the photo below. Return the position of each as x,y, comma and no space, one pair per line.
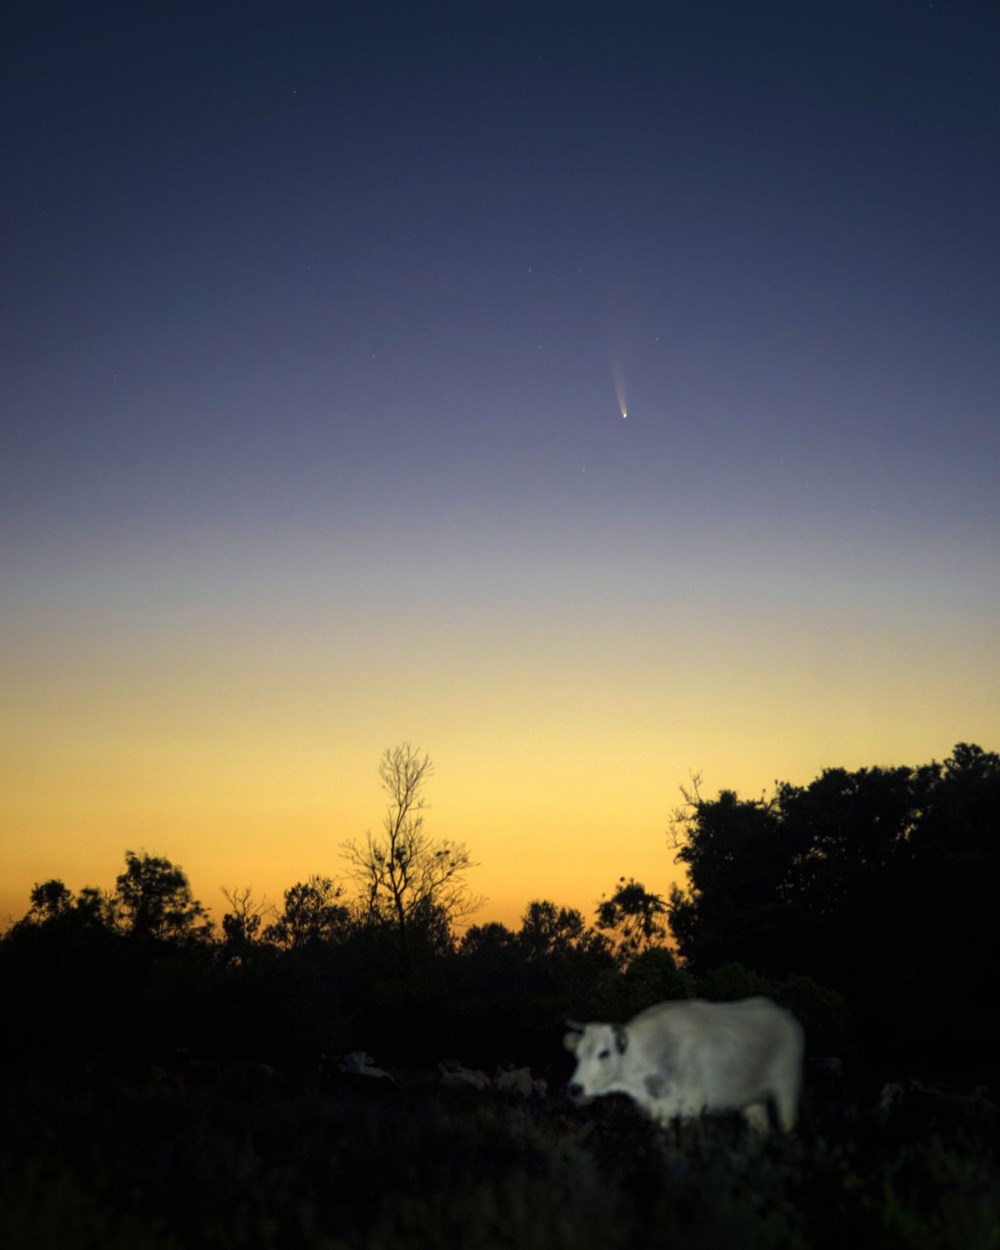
756,1117
786,1105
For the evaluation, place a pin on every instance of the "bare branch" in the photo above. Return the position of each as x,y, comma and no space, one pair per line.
404,875
680,817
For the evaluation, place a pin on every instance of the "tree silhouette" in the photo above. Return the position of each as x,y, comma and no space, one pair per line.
634,918
153,900
847,889
548,930
241,926
50,901
313,913
878,883
409,881
93,908
54,907
955,869
738,857
488,941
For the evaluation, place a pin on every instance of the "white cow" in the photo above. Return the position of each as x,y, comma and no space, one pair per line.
680,1059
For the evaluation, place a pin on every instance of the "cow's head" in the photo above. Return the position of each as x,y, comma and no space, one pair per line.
600,1050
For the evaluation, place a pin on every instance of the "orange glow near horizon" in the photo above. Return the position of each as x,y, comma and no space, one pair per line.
558,758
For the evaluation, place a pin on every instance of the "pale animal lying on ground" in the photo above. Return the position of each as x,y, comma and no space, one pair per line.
454,1076
359,1063
519,1081
680,1059
936,1106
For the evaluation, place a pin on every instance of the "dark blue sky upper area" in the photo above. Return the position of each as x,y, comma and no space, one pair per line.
265,260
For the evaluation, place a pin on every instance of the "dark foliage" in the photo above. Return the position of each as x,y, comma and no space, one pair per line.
240,1158
878,883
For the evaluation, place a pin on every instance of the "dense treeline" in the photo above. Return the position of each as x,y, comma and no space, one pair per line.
879,883
316,980
862,901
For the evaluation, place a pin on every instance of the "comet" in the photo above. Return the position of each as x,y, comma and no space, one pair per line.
618,375
620,394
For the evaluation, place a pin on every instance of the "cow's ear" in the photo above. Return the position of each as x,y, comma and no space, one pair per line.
621,1038
571,1040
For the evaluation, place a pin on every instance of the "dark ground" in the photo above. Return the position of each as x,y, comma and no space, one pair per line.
238,1157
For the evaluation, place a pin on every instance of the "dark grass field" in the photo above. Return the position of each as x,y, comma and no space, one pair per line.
246,1160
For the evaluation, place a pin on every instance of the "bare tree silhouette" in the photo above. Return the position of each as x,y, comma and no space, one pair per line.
407,879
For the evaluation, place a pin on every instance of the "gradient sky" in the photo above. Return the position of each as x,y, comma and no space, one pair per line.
318,323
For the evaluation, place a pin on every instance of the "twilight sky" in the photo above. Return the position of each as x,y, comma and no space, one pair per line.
319,322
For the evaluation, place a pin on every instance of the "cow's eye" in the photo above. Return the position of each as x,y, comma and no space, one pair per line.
604,1054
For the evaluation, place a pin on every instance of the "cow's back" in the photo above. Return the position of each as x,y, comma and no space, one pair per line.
722,1056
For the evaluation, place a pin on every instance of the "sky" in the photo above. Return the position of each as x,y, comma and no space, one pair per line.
590,395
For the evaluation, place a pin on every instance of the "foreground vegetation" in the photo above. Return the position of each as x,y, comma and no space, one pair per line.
285,1160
